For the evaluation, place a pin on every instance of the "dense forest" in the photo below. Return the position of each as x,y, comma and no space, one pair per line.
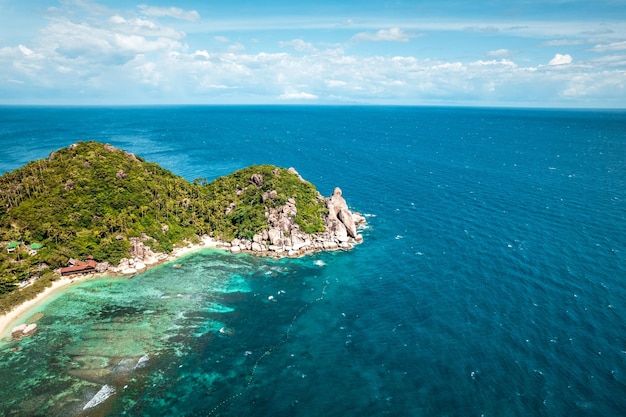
90,198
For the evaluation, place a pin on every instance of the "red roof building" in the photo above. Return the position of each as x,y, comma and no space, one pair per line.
80,267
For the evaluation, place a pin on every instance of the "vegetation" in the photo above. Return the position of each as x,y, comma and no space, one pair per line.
90,198
246,207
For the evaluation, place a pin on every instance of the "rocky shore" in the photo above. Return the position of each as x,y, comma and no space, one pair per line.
283,238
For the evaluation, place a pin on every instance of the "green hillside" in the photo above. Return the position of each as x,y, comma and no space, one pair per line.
90,198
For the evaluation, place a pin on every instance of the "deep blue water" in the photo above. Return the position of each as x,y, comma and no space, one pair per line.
491,281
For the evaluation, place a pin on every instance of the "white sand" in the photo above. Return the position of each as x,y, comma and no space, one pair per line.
19,313
206,242
16,316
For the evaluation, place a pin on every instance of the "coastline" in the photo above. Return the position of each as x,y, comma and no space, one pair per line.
18,314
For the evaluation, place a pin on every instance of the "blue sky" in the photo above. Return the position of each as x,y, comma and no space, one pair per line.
550,53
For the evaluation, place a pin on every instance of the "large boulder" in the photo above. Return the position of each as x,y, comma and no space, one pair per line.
30,329
339,208
23,330
338,230
275,237
18,331
298,239
257,179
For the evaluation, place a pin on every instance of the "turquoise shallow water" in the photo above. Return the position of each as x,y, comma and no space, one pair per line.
490,281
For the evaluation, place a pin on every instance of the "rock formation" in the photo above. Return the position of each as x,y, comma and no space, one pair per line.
141,256
284,237
23,330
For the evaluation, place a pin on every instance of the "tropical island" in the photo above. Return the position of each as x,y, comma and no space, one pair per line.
91,207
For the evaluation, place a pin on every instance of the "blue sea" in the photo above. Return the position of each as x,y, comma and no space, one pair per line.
491,280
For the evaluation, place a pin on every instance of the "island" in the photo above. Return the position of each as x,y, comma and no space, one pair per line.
93,208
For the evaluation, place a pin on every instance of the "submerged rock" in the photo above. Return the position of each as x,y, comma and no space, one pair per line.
227,331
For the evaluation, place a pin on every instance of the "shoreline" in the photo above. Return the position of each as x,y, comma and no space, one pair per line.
14,317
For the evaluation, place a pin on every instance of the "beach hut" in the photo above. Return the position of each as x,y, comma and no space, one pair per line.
34,247
12,246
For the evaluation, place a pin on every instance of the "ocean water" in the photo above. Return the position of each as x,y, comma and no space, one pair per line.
491,280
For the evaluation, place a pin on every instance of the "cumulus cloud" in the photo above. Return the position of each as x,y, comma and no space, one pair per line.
561,59
127,55
384,35
81,40
173,12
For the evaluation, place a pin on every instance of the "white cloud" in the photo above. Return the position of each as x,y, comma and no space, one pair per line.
384,35
90,43
145,71
298,96
25,50
335,83
561,59
117,20
499,52
298,45
89,6
562,42
142,27
487,29
174,12
136,56
236,47
611,47
503,62
617,60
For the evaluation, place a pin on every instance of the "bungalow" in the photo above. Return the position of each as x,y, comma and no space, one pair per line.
80,267
12,246
34,247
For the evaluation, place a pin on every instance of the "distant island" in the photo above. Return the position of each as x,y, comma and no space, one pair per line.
93,207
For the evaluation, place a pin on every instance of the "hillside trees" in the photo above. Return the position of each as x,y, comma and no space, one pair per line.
90,198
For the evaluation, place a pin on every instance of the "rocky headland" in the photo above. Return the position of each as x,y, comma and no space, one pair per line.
281,238
284,237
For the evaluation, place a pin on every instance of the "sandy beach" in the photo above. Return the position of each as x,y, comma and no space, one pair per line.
19,313
17,316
